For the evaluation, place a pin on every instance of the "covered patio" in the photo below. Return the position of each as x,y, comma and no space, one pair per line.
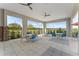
50,39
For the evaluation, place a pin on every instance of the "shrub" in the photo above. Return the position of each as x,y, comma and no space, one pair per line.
59,30
18,35
13,35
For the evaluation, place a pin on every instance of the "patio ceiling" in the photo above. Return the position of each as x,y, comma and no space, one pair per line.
56,10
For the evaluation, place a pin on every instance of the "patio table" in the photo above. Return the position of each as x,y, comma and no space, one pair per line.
29,36
58,35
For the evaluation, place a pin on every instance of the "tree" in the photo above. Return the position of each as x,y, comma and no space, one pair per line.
14,26
30,27
15,30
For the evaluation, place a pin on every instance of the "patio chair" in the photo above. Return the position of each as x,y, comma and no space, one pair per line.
34,37
63,34
53,34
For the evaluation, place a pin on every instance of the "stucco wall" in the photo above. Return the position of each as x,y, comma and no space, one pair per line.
1,23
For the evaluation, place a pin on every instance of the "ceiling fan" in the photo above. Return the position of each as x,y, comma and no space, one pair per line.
46,14
28,4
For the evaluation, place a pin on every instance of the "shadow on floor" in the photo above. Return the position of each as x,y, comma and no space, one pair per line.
54,52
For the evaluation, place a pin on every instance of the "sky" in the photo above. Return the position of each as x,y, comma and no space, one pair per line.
35,24
12,19
57,25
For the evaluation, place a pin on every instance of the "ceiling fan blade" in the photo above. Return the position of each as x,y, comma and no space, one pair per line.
29,4
30,7
48,15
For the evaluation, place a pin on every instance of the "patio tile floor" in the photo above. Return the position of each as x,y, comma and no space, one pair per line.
20,47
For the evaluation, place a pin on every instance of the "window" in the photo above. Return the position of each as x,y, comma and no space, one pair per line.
35,24
14,27
12,19
56,26
35,27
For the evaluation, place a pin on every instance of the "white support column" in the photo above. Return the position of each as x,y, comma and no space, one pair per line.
68,26
24,26
78,24
44,24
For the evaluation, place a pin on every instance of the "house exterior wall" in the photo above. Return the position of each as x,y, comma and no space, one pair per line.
1,24
10,13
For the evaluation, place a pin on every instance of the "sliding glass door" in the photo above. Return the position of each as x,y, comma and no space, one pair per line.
56,26
14,27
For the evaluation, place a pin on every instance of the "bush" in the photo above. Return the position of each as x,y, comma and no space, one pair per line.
18,35
59,30
13,35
